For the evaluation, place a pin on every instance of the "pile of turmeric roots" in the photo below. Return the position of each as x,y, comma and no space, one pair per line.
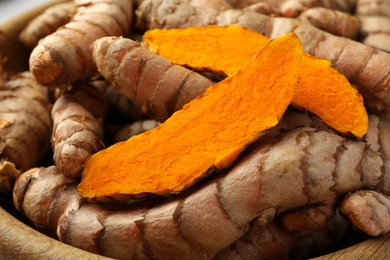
297,189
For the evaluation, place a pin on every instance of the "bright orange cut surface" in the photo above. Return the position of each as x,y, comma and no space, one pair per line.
227,49
208,133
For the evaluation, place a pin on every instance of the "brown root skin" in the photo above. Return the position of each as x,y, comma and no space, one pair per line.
373,7
220,209
25,121
260,242
368,211
8,175
155,85
309,219
378,137
293,8
65,57
263,8
375,31
25,126
332,21
77,128
46,23
214,4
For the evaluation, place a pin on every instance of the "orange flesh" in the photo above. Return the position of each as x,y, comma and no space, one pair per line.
208,133
221,49
325,92
227,49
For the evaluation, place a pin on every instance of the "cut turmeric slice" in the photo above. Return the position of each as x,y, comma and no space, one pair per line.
207,134
227,49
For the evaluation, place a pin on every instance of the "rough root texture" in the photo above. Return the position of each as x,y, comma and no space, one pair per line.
25,123
154,84
77,128
368,211
64,56
301,168
46,23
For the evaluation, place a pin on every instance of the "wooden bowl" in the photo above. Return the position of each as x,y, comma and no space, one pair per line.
20,240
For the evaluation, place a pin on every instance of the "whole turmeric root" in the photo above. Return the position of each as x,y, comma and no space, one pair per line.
363,65
373,7
154,84
46,23
368,211
292,8
25,126
77,128
64,56
300,168
332,21
375,31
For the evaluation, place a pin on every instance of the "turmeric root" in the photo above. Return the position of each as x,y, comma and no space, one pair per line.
154,84
46,23
262,8
373,7
309,219
368,211
375,31
363,65
333,21
142,166
260,242
64,56
216,4
300,168
77,128
274,242
321,90
25,126
8,175
293,8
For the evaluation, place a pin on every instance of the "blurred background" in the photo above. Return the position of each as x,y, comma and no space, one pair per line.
11,8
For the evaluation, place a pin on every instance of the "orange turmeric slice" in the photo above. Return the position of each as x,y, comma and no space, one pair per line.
227,49
207,134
